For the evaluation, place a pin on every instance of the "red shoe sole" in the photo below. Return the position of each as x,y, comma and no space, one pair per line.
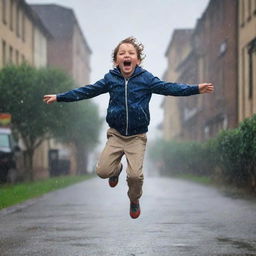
135,215
112,184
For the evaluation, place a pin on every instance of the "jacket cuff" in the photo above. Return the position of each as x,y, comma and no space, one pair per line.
58,97
196,89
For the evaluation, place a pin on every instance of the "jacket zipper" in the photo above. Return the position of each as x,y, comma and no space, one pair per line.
126,105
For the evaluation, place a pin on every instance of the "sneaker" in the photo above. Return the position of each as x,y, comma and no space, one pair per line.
135,209
113,181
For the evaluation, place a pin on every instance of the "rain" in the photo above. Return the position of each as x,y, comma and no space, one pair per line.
101,154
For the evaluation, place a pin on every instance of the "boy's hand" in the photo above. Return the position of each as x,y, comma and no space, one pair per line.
206,88
50,98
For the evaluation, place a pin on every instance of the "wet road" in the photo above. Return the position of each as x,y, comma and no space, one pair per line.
90,219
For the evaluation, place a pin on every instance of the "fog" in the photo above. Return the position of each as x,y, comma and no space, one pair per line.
106,23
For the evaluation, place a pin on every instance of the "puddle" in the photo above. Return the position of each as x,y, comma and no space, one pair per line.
239,244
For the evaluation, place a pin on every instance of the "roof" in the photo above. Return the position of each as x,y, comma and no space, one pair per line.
179,35
59,20
33,16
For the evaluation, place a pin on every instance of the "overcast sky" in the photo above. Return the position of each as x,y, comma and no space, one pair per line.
106,22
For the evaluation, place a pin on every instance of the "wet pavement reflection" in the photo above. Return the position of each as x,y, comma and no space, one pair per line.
91,219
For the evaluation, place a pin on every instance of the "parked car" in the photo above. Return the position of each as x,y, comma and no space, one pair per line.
8,155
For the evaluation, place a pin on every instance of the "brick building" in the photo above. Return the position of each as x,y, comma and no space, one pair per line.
176,52
213,58
68,49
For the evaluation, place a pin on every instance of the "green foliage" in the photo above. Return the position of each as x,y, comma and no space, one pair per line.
83,124
182,157
21,93
230,156
248,142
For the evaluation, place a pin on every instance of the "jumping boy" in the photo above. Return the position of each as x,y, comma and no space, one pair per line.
130,88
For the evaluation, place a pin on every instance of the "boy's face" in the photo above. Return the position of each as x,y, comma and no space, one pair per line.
127,59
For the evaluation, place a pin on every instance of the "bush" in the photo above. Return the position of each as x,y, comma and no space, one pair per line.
230,156
248,149
182,157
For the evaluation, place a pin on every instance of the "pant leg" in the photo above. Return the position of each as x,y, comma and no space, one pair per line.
110,158
134,151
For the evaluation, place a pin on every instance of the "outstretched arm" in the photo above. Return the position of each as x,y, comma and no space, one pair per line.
172,89
206,88
177,89
86,92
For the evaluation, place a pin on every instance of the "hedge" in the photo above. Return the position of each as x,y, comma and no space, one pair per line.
230,156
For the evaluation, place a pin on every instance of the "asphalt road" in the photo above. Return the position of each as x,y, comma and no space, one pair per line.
91,219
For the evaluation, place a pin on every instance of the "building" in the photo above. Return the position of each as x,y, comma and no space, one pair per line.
189,107
247,58
177,51
213,58
68,49
23,36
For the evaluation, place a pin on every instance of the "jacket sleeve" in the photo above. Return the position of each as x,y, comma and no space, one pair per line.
174,89
85,92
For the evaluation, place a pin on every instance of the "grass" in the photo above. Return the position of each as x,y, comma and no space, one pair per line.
226,189
14,194
199,179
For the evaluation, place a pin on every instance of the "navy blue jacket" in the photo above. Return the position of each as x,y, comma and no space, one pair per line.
128,109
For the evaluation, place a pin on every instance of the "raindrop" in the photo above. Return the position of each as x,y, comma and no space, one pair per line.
21,101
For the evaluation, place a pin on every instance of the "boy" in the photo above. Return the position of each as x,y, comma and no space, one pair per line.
130,88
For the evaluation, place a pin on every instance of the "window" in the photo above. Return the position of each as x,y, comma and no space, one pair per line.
18,21
23,27
252,66
4,52
244,99
223,48
17,59
4,11
242,13
249,10
4,141
11,14
10,54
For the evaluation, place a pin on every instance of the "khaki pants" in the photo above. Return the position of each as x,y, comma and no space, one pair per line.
133,147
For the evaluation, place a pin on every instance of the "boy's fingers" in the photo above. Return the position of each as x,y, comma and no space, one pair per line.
47,99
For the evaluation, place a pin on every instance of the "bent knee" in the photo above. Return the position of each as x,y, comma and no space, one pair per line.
101,172
135,177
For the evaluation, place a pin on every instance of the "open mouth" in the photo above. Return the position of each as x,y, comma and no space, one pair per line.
127,63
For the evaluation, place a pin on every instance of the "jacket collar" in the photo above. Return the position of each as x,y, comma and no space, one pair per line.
138,70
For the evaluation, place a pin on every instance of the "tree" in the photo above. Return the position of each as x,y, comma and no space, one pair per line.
82,131
21,91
